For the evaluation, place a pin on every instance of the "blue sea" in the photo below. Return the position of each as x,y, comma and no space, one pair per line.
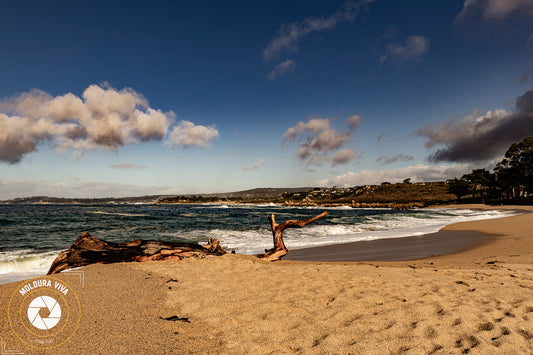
31,236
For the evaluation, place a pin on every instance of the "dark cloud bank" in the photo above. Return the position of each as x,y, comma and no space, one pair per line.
480,137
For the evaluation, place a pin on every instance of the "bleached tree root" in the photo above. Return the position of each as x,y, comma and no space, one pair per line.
280,250
88,249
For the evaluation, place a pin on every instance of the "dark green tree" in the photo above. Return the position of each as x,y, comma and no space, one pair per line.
514,173
478,180
459,187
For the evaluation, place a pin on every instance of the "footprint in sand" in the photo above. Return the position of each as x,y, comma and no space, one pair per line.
456,322
467,340
527,335
430,333
485,326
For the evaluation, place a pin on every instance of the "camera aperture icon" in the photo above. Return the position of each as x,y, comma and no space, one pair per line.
44,312
34,312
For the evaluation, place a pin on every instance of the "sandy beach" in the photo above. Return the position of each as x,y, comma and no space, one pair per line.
477,298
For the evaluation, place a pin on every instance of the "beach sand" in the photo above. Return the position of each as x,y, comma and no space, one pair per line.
477,301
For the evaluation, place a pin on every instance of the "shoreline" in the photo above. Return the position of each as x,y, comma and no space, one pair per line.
476,301
423,246
402,248
462,244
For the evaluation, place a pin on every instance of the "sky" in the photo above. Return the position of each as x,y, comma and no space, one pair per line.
129,98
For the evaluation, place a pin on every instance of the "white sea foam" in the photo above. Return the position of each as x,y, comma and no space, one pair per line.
256,241
24,264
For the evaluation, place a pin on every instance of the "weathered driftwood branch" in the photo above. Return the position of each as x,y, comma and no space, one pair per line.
90,250
280,249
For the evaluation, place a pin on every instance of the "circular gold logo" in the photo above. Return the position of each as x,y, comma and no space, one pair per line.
44,312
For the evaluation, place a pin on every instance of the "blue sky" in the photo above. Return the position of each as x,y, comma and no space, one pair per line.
116,98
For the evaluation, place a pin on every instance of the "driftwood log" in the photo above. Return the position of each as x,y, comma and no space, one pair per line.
280,249
90,250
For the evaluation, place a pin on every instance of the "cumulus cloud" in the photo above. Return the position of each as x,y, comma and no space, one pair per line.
261,162
281,69
317,140
187,134
102,118
353,122
390,160
494,9
413,48
416,173
128,166
480,137
290,34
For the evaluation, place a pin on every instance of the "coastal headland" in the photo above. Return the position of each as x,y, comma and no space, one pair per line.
399,195
476,300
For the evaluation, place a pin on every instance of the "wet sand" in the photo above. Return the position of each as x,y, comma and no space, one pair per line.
476,301
395,249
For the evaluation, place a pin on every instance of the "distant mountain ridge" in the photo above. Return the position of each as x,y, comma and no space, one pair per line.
256,193
88,201
397,195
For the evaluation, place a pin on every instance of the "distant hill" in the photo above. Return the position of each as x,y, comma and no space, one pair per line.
257,195
400,195
385,195
262,192
252,195
84,201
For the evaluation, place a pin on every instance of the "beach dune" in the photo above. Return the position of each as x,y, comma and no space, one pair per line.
477,301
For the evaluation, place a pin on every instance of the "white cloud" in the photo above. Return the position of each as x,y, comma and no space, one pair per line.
290,34
413,48
416,173
398,157
353,122
17,138
494,9
102,118
317,140
261,162
187,134
314,125
128,166
281,69
343,157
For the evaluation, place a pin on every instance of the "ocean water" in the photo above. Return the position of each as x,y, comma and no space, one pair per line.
31,236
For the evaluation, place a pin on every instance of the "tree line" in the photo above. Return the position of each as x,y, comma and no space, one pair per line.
512,178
